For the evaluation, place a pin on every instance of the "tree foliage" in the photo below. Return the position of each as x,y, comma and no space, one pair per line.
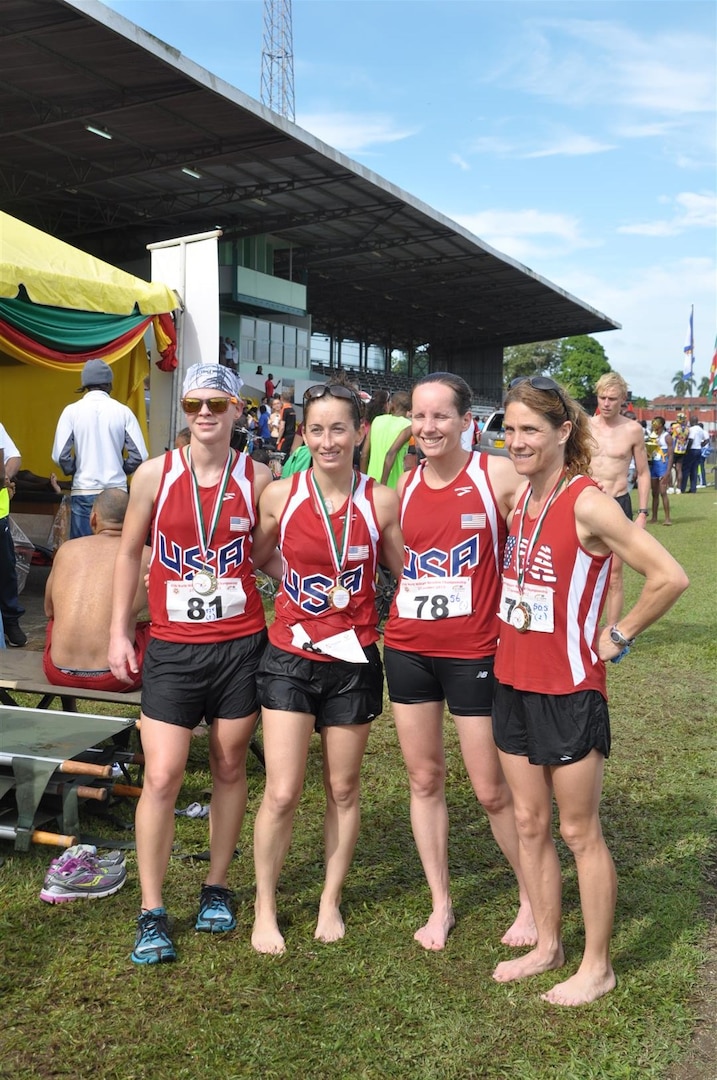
538,358
581,363
683,385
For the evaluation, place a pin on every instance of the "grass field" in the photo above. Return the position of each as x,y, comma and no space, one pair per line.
376,1005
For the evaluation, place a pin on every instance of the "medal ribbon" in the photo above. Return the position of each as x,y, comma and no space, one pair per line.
521,570
204,536
339,553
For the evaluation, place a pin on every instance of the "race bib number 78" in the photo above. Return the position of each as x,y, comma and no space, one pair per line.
431,599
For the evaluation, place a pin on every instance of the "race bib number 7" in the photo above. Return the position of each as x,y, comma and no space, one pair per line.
530,610
185,605
432,599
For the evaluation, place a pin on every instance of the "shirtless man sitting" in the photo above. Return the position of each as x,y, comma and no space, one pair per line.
78,603
619,440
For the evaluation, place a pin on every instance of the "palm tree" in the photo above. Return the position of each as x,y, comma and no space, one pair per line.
682,384
704,390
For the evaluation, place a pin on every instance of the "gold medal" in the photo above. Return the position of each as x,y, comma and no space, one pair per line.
339,597
204,582
520,618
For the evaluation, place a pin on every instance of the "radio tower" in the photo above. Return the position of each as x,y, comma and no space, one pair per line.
277,59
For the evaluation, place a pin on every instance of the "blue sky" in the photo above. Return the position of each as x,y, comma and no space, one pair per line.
576,137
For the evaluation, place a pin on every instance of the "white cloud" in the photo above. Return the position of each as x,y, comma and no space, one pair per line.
653,304
353,133
572,146
602,62
692,210
526,235
462,164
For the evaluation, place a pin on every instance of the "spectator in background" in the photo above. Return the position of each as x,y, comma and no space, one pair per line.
659,452
275,421
92,438
680,436
269,387
78,603
384,447
696,439
287,428
618,440
263,430
10,607
701,469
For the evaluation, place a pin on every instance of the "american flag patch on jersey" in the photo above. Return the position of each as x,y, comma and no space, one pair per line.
239,524
358,552
473,521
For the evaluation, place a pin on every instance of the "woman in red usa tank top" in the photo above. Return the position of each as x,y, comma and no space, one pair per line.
441,635
321,669
550,718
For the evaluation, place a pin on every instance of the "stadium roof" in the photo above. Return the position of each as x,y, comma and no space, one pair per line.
380,265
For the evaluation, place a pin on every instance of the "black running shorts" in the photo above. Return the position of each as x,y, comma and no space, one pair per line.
550,729
183,684
465,685
333,692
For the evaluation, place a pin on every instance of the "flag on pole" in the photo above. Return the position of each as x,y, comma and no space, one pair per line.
689,350
713,373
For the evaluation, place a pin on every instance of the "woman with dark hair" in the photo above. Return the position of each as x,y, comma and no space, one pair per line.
550,717
442,631
321,670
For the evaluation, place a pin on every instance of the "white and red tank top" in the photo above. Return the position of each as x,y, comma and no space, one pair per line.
575,582
447,600
309,575
230,607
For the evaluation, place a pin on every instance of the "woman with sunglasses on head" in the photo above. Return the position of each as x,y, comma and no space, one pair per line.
550,717
207,634
321,669
442,631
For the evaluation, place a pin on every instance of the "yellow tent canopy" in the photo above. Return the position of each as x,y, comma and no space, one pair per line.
56,275
59,275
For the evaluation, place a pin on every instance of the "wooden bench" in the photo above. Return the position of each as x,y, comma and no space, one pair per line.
21,671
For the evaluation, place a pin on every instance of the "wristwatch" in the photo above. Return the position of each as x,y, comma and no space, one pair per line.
643,510
618,638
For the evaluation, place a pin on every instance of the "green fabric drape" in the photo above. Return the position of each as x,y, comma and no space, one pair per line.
64,329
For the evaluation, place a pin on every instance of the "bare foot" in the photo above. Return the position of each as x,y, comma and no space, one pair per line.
266,936
666,522
523,931
652,521
533,963
329,925
581,989
435,933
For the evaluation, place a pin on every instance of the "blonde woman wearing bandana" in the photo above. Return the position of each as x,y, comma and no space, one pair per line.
207,635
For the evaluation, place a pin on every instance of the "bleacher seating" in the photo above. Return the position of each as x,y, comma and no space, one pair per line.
371,381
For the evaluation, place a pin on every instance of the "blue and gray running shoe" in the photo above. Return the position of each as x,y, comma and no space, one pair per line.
153,945
216,910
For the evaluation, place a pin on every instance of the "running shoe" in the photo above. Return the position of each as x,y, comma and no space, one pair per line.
153,945
80,877
216,910
88,851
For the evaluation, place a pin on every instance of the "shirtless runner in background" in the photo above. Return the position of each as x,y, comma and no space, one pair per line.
618,441
78,599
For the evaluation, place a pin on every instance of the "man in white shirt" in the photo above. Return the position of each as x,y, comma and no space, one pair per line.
696,439
10,607
91,440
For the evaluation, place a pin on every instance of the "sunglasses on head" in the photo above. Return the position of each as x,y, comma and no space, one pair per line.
214,404
542,382
335,390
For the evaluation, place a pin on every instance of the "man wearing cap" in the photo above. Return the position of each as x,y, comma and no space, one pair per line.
92,437
207,635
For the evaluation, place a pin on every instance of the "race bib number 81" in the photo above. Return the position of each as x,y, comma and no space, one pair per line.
431,599
185,605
